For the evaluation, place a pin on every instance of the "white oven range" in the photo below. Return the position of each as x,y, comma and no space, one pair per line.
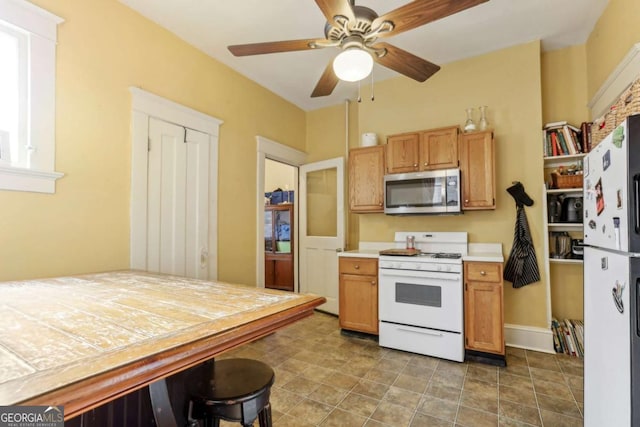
420,298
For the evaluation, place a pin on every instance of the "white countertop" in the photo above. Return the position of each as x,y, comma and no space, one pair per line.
360,253
484,252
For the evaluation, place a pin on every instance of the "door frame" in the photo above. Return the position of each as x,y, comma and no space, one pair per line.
143,106
268,149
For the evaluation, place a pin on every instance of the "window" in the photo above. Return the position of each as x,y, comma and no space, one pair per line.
27,97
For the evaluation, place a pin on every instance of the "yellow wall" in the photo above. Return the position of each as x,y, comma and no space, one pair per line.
103,48
564,85
615,33
508,82
564,97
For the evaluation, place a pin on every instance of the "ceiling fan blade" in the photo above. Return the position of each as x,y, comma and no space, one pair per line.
405,63
420,12
327,82
274,47
331,8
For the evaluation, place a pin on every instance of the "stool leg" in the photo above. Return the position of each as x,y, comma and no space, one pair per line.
264,417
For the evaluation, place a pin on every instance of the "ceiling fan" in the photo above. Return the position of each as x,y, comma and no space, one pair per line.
356,29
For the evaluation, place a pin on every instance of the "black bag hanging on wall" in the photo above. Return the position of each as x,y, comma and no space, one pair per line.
522,266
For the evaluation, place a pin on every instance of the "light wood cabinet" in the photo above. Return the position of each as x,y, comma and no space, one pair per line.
439,148
403,153
477,170
278,247
483,307
366,179
358,307
421,151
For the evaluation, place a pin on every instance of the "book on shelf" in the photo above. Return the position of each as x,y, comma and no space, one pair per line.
562,139
568,337
585,135
555,125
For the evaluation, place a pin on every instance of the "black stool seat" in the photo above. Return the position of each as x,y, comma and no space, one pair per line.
236,390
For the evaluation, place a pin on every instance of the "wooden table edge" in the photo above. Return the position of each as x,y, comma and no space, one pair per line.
92,392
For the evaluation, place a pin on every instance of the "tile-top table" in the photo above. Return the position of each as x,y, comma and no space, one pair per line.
82,341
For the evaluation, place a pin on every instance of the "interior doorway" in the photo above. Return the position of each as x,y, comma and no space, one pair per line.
280,179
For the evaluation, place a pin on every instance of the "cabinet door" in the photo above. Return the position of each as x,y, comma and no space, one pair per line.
269,273
402,153
359,303
439,148
366,174
283,275
484,325
477,169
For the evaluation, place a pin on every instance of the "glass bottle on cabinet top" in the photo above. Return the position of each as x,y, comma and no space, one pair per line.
483,124
469,125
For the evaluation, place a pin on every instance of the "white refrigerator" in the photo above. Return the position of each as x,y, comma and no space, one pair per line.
612,279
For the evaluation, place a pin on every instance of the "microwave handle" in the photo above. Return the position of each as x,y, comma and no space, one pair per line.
443,191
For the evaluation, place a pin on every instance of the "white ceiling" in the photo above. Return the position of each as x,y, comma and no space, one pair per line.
213,25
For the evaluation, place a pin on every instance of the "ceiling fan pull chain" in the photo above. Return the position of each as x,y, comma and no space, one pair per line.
372,94
359,98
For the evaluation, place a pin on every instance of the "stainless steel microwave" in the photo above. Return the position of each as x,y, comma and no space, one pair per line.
430,192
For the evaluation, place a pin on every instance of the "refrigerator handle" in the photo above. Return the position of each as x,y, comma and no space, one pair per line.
638,307
636,207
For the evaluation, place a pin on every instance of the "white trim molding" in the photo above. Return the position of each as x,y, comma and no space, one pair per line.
143,106
33,167
622,76
529,337
172,112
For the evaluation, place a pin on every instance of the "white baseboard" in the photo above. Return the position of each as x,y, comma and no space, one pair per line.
529,337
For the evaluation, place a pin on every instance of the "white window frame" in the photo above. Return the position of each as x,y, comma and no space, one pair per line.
37,172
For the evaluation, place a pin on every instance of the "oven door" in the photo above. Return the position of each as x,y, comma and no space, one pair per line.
420,298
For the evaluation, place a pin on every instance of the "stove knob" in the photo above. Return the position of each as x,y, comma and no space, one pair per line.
439,268
418,266
447,268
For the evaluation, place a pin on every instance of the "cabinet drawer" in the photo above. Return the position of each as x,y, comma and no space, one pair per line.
366,266
483,271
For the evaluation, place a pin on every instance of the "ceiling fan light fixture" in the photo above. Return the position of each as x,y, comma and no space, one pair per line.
352,65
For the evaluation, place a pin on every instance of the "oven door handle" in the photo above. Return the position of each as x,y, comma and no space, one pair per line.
452,277
421,331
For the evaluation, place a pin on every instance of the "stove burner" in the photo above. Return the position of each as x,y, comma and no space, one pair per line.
441,255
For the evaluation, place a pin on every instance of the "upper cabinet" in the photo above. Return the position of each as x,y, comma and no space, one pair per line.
403,153
366,174
420,151
442,148
439,148
477,170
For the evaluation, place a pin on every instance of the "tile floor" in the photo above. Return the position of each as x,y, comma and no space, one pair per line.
324,378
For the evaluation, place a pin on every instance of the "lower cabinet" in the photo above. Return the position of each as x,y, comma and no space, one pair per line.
358,301
278,272
483,308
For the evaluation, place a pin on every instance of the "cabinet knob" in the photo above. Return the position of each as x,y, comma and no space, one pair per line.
415,165
380,204
466,201
373,282
357,267
426,163
483,273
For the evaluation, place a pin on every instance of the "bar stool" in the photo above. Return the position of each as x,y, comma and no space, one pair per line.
236,390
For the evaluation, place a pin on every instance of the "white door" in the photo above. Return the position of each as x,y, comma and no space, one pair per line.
177,203
321,229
